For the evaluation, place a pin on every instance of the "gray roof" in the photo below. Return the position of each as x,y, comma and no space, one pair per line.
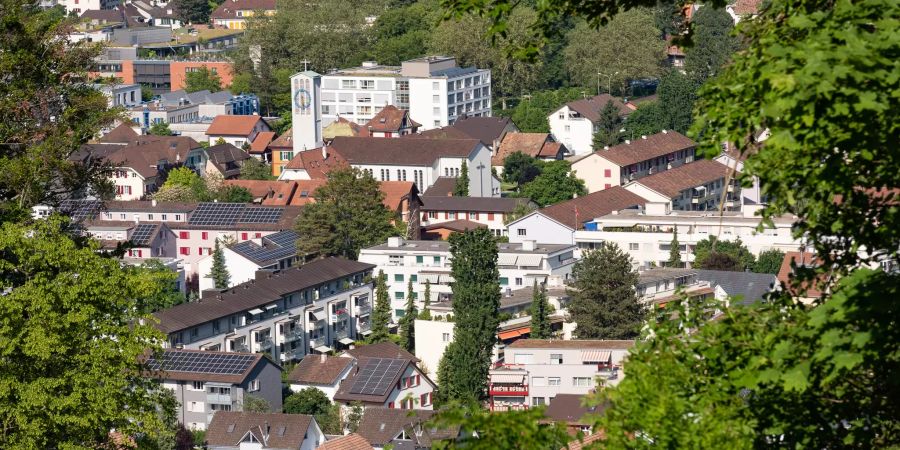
454,72
256,293
749,286
475,204
663,273
195,98
274,248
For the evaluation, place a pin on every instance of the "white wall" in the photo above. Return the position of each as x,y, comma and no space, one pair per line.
240,269
577,134
424,387
592,169
432,339
132,180
541,229
329,390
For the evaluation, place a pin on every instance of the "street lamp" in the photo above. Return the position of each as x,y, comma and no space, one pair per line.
608,82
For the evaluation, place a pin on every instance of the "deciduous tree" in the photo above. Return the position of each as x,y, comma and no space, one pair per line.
426,302
725,255
312,401
769,261
381,316
193,11
713,43
520,168
160,129
256,169
604,303
202,78
484,430
555,184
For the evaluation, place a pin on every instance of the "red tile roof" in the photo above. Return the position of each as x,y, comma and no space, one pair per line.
120,134
229,125
320,369
458,225
228,428
391,120
395,192
590,108
785,273
575,212
285,141
262,141
536,145
746,7
645,148
305,192
315,165
671,182
262,188
348,442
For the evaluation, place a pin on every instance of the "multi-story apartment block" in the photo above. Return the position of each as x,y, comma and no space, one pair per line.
534,371
126,95
430,262
698,186
575,123
317,307
79,6
276,251
207,382
433,89
647,237
212,104
617,165
488,211
148,114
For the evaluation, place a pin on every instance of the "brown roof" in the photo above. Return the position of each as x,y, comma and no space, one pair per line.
229,8
584,442
315,165
395,192
345,389
380,425
262,141
804,259
458,225
590,108
381,350
485,129
232,125
473,204
304,193
569,408
121,134
746,7
391,119
575,212
536,145
408,152
572,344
227,428
441,133
319,369
260,188
286,140
143,155
255,293
104,15
173,374
443,186
227,158
647,147
671,182
348,442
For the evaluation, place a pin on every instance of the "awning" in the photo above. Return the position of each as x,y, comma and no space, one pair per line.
318,315
507,259
504,335
530,260
255,311
595,356
366,333
323,349
345,341
507,378
431,278
272,306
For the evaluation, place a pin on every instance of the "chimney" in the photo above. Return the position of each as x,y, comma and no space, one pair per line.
627,141
395,241
324,152
643,137
153,202
322,358
665,132
528,245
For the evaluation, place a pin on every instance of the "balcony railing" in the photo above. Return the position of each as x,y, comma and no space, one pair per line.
342,333
317,342
265,343
240,347
506,391
293,335
510,407
222,399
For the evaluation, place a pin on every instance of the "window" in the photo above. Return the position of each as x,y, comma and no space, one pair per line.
567,128
490,216
399,295
398,277
556,358
634,246
437,259
473,216
425,399
450,215
348,84
581,381
435,85
257,235
414,278
197,385
286,156
538,381
523,358
504,281
553,381
367,84
537,401
177,217
445,337
607,173
164,217
254,386
419,259
204,235
607,186
184,251
522,232
243,236
518,281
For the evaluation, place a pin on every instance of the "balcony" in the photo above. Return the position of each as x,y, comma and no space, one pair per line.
222,399
239,346
264,344
363,326
294,335
509,390
342,333
317,342
296,353
509,407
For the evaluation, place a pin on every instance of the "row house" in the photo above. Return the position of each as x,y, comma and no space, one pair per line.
287,314
233,14
239,131
534,371
632,160
147,239
704,185
575,123
490,212
422,262
208,383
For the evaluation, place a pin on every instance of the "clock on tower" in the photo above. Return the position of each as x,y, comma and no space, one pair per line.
305,111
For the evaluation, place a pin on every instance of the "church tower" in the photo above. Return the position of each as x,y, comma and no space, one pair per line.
306,114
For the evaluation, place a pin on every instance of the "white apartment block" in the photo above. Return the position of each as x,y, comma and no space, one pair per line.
488,211
647,237
433,89
152,113
430,261
536,370
575,123
80,6
288,314
125,95
276,251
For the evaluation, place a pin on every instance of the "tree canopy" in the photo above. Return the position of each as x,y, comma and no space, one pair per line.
555,184
609,127
381,315
715,254
520,168
713,43
256,169
202,78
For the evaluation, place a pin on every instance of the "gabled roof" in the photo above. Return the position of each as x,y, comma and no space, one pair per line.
381,425
485,129
285,140
536,145
746,7
590,108
458,225
442,187
228,428
275,247
361,385
349,442
233,125
199,365
343,127
569,408
227,158
262,141
381,350
750,287
574,213
671,182
646,147
229,8
121,134
391,119
407,152
264,189
799,259
319,369
317,166
144,154
474,204
396,191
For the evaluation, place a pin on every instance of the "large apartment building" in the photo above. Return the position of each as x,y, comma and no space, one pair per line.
434,90
317,307
704,185
430,261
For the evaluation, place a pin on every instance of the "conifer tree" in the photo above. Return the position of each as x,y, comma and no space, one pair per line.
219,273
462,182
426,313
674,253
476,304
408,323
540,311
381,316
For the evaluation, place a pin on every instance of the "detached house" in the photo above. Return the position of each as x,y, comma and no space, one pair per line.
233,14
223,159
397,429
385,376
263,431
536,145
575,123
236,130
391,122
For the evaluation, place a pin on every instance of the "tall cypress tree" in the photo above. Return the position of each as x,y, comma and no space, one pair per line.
476,305
426,313
408,323
540,313
674,253
604,303
462,183
381,316
219,273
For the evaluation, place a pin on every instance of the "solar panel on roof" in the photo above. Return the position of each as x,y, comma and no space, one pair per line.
217,214
79,210
377,376
283,238
261,215
142,233
202,362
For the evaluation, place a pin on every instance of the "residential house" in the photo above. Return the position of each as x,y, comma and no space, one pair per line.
78,7
125,95
743,9
236,130
519,264
223,159
740,287
571,411
647,235
806,292
321,372
557,224
575,123
489,130
122,134
279,193
490,212
140,167
386,383
633,160
351,441
243,260
534,371
233,14
536,145
391,122
704,185
149,240
280,152
209,383
260,149
257,431
387,428
287,314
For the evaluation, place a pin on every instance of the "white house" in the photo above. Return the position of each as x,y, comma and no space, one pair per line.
321,372
575,123
236,130
385,376
126,95
148,114
488,211
139,167
231,430
275,251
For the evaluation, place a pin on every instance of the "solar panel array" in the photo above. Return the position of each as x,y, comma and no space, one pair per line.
143,233
377,376
254,252
202,362
286,238
261,215
216,214
79,210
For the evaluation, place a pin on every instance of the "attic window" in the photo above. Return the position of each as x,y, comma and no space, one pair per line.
281,430
382,120
304,193
231,428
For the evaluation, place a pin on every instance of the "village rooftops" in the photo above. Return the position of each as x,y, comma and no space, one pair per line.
382,425
233,125
572,344
479,204
372,380
662,274
406,152
590,108
274,248
349,442
444,246
266,289
391,119
229,9
536,145
319,369
646,148
197,365
574,213
228,429
381,350
672,182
